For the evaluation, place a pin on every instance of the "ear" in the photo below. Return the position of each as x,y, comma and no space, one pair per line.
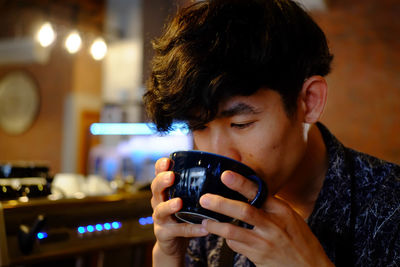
313,98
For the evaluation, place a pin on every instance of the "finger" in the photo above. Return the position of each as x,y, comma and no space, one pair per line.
162,181
274,204
232,208
166,232
263,225
257,251
228,230
239,247
162,165
162,212
283,215
240,184
243,241
279,208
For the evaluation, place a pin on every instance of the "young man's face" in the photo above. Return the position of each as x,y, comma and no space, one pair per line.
257,131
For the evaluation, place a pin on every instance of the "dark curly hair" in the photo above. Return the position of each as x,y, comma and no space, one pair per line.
212,50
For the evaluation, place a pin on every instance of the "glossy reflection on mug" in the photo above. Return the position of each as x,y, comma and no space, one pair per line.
198,173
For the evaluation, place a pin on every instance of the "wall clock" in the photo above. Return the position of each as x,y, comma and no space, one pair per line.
19,102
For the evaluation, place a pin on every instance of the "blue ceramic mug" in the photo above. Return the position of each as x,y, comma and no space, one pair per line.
198,173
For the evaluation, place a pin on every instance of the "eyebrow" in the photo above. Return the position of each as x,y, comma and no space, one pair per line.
238,109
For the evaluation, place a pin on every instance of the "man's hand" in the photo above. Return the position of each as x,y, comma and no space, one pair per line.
171,242
280,237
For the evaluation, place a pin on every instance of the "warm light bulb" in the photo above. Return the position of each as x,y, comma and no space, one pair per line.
98,49
46,35
73,42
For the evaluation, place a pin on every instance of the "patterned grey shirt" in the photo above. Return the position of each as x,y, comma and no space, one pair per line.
356,217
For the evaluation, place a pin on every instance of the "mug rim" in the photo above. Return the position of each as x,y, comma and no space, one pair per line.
201,152
205,217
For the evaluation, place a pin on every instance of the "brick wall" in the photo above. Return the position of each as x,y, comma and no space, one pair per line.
363,108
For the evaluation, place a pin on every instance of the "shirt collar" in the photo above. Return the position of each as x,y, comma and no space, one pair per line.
333,204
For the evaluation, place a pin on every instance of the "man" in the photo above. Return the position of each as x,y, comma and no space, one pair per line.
248,78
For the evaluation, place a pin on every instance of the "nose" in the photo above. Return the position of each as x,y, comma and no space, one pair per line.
221,143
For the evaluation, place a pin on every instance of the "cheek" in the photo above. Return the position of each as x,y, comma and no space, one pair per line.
275,154
275,147
273,142
199,142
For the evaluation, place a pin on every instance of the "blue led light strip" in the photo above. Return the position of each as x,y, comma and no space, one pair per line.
134,129
99,227
146,220
107,226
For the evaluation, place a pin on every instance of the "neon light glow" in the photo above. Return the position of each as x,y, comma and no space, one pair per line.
116,225
149,220
99,227
146,220
107,226
41,235
134,129
90,228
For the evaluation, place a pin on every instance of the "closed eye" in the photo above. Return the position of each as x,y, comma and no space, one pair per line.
241,125
198,127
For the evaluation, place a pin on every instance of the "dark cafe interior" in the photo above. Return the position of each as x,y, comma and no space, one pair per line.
76,153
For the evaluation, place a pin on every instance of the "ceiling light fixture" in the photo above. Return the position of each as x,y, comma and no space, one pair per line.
73,42
98,49
46,34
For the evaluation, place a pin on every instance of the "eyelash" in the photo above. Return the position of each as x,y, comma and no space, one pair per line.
233,125
198,128
241,125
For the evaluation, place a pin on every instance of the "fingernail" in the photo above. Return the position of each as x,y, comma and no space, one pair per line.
204,223
203,230
204,201
175,204
168,177
228,178
164,163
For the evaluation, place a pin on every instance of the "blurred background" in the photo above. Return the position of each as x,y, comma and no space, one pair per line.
66,64
74,89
